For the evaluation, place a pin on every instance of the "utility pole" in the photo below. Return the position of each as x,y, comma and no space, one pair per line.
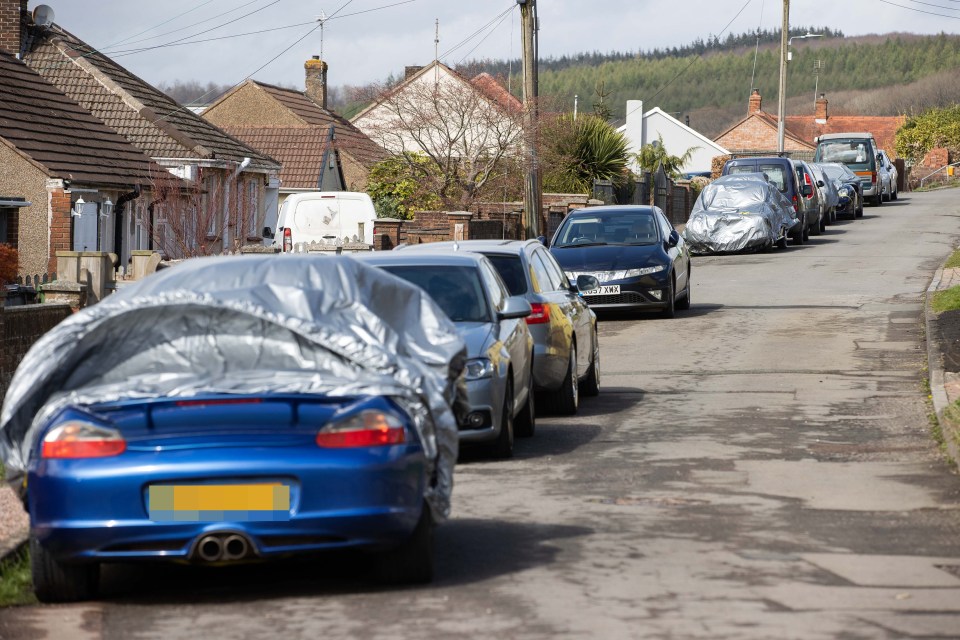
532,196
782,105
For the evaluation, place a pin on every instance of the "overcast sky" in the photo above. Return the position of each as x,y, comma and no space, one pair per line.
369,46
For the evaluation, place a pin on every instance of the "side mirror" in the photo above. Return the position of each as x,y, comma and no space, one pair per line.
587,283
806,191
673,239
879,157
516,307
543,240
820,183
267,232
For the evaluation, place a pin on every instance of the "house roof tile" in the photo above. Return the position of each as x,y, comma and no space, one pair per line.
301,149
138,111
883,128
52,130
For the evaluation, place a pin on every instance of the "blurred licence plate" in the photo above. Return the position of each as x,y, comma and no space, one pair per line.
606,290
219,502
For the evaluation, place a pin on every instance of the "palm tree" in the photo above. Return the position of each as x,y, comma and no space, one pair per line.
577,152
655,154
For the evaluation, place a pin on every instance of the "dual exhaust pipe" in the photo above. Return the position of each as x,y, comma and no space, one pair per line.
223,548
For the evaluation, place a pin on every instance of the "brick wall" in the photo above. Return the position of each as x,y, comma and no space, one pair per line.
10,12
60,226
755,133
20,327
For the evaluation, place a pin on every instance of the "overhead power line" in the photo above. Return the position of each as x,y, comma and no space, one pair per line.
478,31
484,38
929,13
157,26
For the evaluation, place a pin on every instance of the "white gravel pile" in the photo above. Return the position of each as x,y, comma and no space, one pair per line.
14,523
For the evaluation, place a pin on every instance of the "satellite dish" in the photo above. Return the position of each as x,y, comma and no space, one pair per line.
43,16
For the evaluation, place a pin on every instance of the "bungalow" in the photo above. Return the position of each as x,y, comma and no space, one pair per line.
229,180
67,181
293,127
646,127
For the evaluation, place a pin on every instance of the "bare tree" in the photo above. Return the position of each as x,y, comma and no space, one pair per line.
471,132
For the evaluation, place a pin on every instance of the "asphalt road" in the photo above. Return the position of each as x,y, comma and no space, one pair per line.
759,467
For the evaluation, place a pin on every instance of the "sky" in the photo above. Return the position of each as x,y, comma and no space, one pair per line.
367,40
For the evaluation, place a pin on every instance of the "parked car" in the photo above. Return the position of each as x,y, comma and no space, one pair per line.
499,371
859,152
891,176
849,188
811,197
783,173
739,212
566,348
323,216
254,408
634,252
829,195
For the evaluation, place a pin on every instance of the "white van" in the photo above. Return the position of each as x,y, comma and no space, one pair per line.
325,217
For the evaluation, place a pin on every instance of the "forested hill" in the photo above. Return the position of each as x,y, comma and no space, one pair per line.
872,75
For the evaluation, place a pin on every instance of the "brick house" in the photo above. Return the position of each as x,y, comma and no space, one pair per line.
67,181
228,181
758,130
292,126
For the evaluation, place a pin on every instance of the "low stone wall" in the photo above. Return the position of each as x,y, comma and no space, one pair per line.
20,327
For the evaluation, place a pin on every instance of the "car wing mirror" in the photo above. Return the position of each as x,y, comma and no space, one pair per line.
820,183
587,283
515,307
267,232
673,239
543,240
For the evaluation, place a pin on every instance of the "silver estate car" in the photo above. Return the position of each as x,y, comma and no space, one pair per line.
499,371
566,360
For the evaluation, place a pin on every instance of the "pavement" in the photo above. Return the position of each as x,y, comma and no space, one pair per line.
944,385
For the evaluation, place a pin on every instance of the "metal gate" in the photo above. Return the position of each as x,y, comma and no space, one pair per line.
486,229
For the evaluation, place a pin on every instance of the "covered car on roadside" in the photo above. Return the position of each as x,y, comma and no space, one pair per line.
739,212
849,188
236,409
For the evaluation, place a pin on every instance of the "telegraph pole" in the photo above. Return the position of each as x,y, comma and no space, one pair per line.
782,104
531,185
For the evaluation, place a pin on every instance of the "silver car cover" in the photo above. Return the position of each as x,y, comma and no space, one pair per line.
251,325
737,212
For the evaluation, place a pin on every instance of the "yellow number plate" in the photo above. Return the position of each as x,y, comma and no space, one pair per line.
219,502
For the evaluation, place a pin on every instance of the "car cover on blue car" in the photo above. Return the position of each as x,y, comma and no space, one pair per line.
251,324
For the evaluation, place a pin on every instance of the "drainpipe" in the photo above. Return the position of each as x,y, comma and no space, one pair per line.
118,219
226,202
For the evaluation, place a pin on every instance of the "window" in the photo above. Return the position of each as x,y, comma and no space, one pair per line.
457,290
498,292
541,274
511,272
665,226
557,276
209,203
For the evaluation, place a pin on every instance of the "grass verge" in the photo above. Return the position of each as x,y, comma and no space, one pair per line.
16,586
946,300
953,261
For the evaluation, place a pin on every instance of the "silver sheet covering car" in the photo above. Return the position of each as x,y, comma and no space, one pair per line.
738,212
252,324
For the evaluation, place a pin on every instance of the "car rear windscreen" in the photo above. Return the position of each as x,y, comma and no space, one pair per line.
510,269
774,173
456,289
856,153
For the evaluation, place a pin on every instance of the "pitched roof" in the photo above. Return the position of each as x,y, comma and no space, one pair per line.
269,139
140,112
771,122
55,132
300,149
883,128
484,83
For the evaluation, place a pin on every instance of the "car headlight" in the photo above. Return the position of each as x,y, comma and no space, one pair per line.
479,368
845,192
623,274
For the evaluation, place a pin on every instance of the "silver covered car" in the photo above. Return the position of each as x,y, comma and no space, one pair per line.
737,212
499,370
566,359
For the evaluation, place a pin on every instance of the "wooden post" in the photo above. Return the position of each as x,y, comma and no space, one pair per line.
782,104
531,184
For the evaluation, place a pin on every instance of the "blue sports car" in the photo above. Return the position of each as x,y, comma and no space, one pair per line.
237,409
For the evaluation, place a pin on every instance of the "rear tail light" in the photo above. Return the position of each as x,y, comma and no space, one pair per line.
807,181
540,313
82,440
366,429
796,207
873,177
287,240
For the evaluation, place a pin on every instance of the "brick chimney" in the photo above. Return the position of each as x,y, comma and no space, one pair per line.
12,14
316,84
821,110
754,105
410,70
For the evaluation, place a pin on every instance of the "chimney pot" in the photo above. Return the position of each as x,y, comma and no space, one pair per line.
755,102
410,70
